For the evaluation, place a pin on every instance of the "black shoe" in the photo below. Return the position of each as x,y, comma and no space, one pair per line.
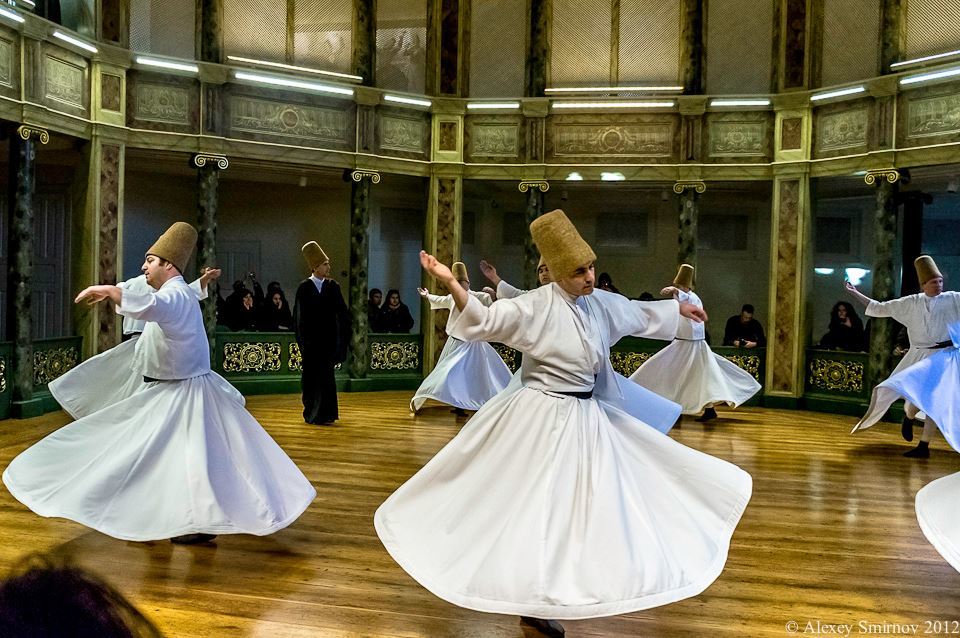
906,428
192,539
459,412
708,415
550,628
922,451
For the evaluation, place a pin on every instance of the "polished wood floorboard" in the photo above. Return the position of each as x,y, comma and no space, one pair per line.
830,536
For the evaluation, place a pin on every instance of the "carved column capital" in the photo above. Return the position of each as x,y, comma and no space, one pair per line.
527,184
200,160
877,176
26,131
699,187
359,173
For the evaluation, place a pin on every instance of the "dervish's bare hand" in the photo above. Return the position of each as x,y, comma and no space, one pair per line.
692,312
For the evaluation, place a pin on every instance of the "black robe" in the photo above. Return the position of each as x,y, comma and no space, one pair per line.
322,325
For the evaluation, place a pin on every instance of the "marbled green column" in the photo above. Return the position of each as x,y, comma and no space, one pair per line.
531,256
442,239
692,48
538,54
20,269
108,197
359,257
687,215
364,43
210,38
885,241
893,32
208,181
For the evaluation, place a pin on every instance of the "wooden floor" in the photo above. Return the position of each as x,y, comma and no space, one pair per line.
830,537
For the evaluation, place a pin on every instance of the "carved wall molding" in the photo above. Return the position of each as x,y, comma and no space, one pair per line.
359,173
737,139
876,177
844,129
297,121
64,82
162,103
403,134
494,140
526,185
6,62
200,160
642,139
26,131
931,116
699,187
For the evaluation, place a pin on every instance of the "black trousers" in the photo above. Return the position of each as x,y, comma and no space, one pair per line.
319,387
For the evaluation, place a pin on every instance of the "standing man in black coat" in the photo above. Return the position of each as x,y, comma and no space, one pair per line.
322,325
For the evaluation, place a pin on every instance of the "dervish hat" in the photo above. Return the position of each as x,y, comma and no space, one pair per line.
176,245
684,276
313,254
459,270
926,268
562,248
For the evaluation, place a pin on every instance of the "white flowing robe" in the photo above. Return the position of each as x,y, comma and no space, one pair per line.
927,320
180,456
468,373
110,376
689,372
637,401
555,506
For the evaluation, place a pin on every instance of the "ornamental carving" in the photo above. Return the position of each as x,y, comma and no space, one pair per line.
295,362
495,140
510,356
200,160
750,363
835,375
402,134
3,375
878,176
288,120
357,175
604,140
845,129
931,116
163,103
394,355
737,138
542,185
6,62
64,81
699,187
251,357
626,363
25,131
50,364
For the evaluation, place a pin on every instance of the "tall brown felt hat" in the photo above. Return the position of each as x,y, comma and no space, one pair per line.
459,270
541,263
926,268
561,246
684,276
313,254
176,245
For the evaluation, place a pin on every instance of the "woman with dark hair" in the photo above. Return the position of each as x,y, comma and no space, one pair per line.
374,301
846,329
395,317
275,313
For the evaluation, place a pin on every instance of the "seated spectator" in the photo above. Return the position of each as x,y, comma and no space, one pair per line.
275,313
646,296
845,331
605,282
395,317
743,331
242,314
374,300
46,598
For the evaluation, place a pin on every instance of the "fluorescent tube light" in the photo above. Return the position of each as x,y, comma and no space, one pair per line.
612,177
473,106
925,58
823,271
399,99
739,102
838,93
74,41
574,177
289,82
10,15
613,89
933,75
29,3
165,64
612,105
290,67
856,275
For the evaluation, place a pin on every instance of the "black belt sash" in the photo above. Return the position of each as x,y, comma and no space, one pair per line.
577,395
941,344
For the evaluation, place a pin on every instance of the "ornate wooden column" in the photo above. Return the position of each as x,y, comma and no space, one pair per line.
20,267
792,45
210,31
360,181
448,47
208,181
535,190
912,239
884,274
443,231
893,32
113,22
538,53
790,271
692,47
364,42
689,210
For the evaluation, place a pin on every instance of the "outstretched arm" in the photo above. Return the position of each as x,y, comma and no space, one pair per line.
444,276
96,294
859,296
489,272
